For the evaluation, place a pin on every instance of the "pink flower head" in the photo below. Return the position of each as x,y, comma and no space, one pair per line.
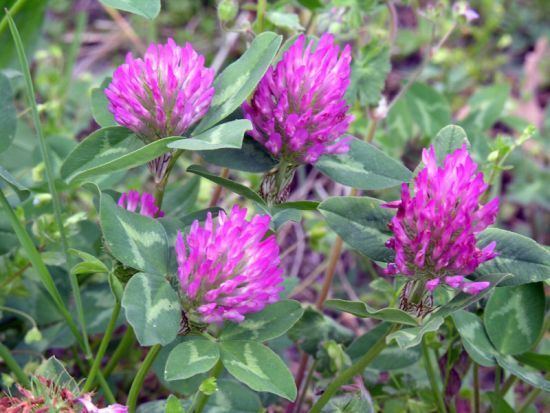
131,200
435,228
89,407
163,93
228,267
298,110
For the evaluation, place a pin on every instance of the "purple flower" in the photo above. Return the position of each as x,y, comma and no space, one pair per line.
228,267
89,407
298,110
132,199
435,228
163,93
462,8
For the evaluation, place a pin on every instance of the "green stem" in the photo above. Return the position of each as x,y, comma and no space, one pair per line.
432,377
531,397
102,349
50,177
140,377
106,389
12,12
40,267
5,355
161,186
477,399
352,371
303,393
260,12
81,20
507,385
498,374
201,398
122,349
19,313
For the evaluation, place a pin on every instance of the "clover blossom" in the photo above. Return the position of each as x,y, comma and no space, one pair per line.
298,109
161,94
228,267
435,228
131,200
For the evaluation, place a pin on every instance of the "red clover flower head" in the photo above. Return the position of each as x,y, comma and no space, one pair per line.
163,93
131,200
298,110
435,228
228,267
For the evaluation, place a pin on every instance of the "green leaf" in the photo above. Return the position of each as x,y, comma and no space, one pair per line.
368,73
240,78
135,240
29,20
145,8
364,167
54,370
537,361
312,4
108,150
411,337
226,135
363,310
173,405
361,223
252,157
233,397
486,106
8,114
448,140
300,205
285,21
462,299
498,404
514,317
474,338
314,328
180,199
22,192
194,356
100,105
520,256
429,109
535,379
350,403
258,367
152,308
90,264
272,322
227,183
391,358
